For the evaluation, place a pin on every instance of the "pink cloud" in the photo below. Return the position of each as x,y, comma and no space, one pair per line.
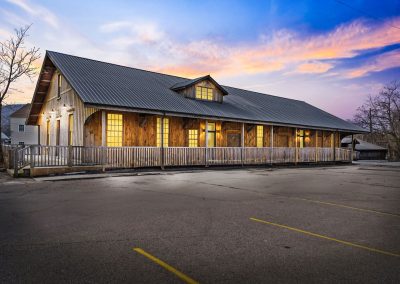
284,50
384,61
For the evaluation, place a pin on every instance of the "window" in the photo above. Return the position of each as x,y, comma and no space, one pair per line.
260,135
300,137
21,143
114,130
59,83
48,132
193,137
166,132
70,128
21,128
211,134
204,93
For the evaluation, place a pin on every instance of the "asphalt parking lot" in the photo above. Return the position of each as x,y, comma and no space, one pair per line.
327,224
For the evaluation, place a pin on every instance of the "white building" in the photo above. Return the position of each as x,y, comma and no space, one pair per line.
20,132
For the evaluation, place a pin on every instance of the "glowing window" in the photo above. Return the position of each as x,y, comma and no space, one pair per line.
166,132
260,135
204,93
193,137
211,135
114,130
48,132
70,128
300,138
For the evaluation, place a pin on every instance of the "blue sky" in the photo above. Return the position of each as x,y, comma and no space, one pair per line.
322,52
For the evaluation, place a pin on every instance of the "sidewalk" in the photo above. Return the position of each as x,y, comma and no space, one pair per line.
377,163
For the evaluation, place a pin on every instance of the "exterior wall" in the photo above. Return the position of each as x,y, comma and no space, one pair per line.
56,108
29,136
191,91
140,130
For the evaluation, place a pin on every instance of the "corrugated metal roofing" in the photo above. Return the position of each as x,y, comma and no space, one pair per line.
101,83
362,145
22,112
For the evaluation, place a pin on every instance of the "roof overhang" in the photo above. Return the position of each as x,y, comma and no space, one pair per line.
177,114
42,87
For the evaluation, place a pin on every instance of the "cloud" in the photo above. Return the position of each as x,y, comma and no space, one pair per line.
314,67
138,32
283,50
37,11
382,62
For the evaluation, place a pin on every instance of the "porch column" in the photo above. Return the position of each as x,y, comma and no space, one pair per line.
103,140
316,146
334,146
272,144
103,128
352,147
162,142
242,144
206,153
296,150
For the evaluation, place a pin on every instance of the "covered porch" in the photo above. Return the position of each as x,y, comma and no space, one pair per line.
123,140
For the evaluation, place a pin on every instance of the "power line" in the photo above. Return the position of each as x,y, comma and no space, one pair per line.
365,13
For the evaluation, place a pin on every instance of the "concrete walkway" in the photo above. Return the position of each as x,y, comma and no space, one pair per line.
377,163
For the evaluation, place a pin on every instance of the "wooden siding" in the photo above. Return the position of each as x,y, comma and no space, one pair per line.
190,92
55,108
140,130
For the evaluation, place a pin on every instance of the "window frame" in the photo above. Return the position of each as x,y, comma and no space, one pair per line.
70,129
259,136
19,127
115,120
213,132
204,93
48,132
193,138
165,132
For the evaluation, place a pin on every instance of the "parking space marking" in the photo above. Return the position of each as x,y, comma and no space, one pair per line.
347,206
166,266
326,237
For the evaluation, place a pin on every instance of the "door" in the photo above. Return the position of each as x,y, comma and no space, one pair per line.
57,136
233,139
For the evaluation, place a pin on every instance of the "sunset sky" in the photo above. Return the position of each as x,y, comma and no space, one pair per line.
323,52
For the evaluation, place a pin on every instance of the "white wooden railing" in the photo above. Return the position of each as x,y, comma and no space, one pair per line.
139,157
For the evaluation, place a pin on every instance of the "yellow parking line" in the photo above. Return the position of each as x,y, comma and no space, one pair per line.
346,206
168,267
327,238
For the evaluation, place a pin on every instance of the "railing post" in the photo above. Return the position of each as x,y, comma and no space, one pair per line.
162,143
316,146
334,146
70,154
242,144
103,157
272,145
206,136
296,151
16,162
31,158
352,146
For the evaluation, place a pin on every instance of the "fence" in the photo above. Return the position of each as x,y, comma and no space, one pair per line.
139,157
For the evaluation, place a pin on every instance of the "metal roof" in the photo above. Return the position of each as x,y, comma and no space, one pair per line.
189,82
361,145
22,112
111,85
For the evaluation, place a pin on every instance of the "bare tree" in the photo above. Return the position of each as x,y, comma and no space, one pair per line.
16,61
381,115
